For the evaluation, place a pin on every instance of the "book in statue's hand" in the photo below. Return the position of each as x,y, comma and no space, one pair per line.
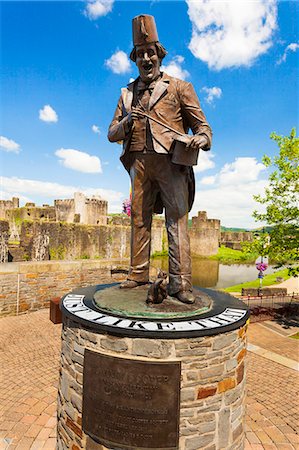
181,154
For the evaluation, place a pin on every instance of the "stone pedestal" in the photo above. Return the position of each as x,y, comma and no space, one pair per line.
209,349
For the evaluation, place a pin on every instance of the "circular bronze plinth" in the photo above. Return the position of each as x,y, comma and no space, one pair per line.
132,303
124,312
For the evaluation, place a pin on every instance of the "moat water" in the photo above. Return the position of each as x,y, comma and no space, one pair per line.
212,274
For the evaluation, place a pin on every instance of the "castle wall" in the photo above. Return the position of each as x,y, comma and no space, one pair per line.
65,210
42,240
4,236
159,235
96,212
234,239
75,241
31,213
204,242
82,210
57,232
204,235
6,205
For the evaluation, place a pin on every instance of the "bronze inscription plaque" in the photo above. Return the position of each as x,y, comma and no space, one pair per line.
131,404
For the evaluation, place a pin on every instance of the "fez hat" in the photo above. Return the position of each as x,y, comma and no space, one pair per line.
144,30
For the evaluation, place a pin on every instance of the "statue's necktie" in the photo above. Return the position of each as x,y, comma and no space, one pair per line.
144,94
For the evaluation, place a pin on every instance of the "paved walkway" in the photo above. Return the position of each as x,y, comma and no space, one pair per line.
273,337
272,420
30,349
292,285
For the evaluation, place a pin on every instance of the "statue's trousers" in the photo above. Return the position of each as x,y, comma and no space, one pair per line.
152,174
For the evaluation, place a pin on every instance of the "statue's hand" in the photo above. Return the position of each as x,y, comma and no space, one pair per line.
135,114
197,142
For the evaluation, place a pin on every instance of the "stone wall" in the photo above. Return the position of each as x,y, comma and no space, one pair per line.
213,371
234,239
65,210
29,286
32,212
61,232
95,212
204,235
63,241
44,240
4,236
6,205
91,211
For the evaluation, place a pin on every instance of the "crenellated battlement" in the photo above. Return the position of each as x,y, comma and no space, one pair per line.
202,221
64,202
6,205
95,200
87,211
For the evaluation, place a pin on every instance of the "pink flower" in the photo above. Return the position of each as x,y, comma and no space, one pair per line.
261,266
127,207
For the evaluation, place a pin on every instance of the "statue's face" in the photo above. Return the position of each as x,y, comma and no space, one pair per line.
148,62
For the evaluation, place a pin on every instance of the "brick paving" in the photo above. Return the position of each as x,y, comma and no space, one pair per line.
259,334
30,349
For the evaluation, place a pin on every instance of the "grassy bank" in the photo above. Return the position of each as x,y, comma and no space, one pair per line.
268,280
227,255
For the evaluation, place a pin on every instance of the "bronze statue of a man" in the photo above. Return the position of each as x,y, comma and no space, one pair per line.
149,112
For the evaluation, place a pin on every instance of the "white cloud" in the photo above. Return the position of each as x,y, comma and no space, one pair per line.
98,8
212,93
47,114
293,47
119,62
8,145
31,190
8,196
242,170
231,33
174,68
131,80
204,162
80,161
96,129
228,195
207,181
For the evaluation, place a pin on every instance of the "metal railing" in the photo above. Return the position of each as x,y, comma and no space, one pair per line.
274,301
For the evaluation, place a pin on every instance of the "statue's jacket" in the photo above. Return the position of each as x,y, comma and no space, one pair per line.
173,102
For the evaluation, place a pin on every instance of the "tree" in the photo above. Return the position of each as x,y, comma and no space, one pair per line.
281,203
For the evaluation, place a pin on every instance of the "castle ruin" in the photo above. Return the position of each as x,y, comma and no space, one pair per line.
80,228
204,235
87,211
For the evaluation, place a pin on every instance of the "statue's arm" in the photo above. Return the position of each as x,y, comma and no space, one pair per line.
193,114
121,124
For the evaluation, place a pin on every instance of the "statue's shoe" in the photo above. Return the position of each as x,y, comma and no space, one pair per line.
130,284
185,297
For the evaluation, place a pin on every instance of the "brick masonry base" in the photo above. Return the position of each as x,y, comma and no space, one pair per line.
213,373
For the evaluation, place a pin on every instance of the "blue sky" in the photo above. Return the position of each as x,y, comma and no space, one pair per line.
63,64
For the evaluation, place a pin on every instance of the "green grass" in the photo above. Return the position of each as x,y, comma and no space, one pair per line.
268,280
229,256
225,255
231,229
162,253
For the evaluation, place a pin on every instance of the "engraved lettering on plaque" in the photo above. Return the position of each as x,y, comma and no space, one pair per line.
131,404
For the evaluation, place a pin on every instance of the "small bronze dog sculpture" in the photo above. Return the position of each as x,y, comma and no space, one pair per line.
158,289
